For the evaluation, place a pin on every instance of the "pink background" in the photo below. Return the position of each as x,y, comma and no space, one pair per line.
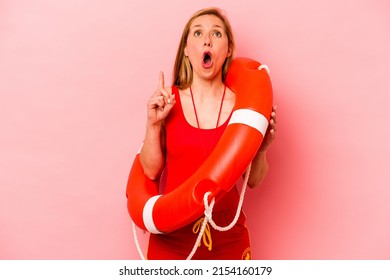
74,80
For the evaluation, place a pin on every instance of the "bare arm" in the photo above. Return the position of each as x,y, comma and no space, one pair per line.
260,166
152,155
152,152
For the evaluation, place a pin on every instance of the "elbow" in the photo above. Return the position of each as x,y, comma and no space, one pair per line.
255,183
257,178
152,168
153,172
152,175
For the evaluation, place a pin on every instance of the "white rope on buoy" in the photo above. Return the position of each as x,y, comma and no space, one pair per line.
265,67
239,207
137,243
209,214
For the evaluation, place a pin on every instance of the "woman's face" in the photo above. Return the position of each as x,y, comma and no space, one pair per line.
207,46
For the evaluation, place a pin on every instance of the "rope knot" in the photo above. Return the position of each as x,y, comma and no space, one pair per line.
208,212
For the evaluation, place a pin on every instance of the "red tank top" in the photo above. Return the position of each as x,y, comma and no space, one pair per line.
187,147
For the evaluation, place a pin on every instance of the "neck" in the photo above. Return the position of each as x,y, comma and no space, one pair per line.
207,88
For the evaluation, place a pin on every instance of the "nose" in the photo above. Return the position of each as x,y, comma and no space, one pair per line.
207,41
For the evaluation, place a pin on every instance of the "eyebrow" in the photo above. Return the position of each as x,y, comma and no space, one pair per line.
199,25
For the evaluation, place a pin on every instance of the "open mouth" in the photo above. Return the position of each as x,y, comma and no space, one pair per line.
207,62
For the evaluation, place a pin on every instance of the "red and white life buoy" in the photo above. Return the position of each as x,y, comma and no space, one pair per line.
235,150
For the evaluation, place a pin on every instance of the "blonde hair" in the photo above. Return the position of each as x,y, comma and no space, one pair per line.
182,72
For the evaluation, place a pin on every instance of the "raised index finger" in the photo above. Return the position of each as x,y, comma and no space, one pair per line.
161,81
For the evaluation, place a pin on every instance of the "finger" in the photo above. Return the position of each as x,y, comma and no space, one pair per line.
161,93
161,89
156,102
273,114
171,100
161,83
161,104
273,110
167,106
272,127
168,97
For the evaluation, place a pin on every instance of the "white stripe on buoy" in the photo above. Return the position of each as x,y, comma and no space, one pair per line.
147,215
251,118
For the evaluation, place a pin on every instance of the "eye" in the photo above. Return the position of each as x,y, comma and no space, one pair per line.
217,33
197,33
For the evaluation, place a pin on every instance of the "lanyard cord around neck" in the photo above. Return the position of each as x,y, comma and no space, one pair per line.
220,107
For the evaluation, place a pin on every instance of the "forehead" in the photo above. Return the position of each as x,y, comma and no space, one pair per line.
207,21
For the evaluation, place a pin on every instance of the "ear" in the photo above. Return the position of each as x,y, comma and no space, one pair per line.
229,53
185,51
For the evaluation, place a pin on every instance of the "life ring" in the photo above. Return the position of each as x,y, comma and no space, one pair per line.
237,147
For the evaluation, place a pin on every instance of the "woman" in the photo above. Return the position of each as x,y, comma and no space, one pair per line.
184,123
